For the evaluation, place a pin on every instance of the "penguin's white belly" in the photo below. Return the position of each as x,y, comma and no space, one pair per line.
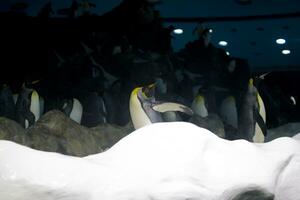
167,161
138,116
140,119
76,113
35,105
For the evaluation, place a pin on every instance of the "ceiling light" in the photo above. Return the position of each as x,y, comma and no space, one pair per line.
280,41
210,30
227,52
223,43
286,51
178,31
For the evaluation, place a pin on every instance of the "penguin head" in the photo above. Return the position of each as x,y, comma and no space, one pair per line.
147,93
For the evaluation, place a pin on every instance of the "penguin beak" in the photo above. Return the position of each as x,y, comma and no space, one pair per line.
149,91
35,82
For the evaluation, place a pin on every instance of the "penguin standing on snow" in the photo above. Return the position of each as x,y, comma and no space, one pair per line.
145,110
7,105
27,107
250,116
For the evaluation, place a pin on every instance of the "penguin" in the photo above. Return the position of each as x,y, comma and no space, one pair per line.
199,107
94,110
73,109
27,106
203,119
228,112
145,110
249,116
7,105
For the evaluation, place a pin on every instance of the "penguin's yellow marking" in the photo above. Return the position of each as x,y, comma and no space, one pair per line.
250,82
199,99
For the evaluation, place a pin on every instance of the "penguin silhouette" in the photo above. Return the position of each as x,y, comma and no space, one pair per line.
7,105
27,107
145,110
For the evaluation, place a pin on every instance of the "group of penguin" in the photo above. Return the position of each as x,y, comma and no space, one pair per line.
250,125
27,106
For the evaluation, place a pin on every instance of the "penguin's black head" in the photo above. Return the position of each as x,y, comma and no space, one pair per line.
149,91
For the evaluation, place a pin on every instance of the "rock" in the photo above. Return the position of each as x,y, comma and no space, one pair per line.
108,134
287,130
11,130
56,132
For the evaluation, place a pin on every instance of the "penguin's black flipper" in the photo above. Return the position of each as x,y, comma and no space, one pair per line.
67,106
30,117
169,106
260,121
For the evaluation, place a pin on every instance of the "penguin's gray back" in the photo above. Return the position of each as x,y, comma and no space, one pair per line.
94,110
246,121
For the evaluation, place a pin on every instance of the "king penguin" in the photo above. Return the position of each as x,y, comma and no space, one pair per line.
27,106
199,107
73,109
251,116
228,111
204,119
145,110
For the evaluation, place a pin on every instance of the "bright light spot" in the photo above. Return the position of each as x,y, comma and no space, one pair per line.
227,52
286,51
293,100
178,31
210,30
280,41
223,43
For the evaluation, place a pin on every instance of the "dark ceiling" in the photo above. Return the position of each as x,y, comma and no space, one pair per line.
250,30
